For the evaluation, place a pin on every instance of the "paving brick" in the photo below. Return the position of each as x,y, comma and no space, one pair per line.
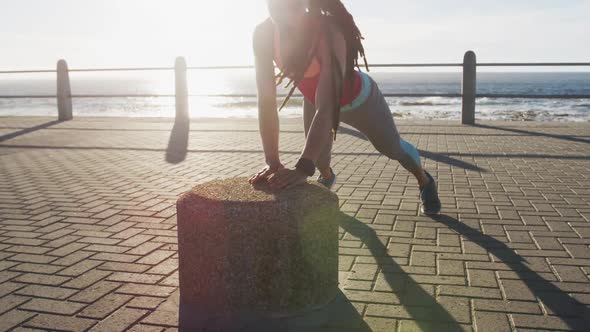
60,241
476,292
147,290
80,268
95,292
166,267
492,322
31,258
9,287
507,306
144,248
451,267
120,320
398,311
140,278
147,328
571,273
547,322
125,267
73,258
105,306
482,278
11,301
162,318
55,322
517,290
49,292
123,258
7,275
52,306
87,279
27,249
423,259
145,302
14,318
155,257
41,279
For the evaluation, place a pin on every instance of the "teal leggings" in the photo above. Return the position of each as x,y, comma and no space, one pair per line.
373,118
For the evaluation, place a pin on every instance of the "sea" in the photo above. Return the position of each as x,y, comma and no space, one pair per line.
204,83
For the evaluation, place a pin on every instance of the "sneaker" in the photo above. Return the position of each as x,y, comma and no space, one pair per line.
429,197
329,182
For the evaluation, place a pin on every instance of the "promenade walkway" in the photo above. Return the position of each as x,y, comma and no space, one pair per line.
88,237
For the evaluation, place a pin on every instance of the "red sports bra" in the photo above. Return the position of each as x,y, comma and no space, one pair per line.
309,84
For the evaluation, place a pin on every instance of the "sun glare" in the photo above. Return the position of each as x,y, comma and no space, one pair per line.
212,32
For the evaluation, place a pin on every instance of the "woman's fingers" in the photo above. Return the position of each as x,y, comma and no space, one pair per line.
259,176
264,175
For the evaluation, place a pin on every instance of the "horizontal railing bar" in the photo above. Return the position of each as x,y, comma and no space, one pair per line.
27,97
538,64
122,69
392,65
515,96
27,71
404,95
387,65
219,67
421,95
146,95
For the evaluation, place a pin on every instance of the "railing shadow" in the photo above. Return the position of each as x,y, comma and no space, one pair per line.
177,149
534,133
572,312
28,130
427,154
428,314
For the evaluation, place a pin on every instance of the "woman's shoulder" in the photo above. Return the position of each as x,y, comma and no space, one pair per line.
264,29
262,36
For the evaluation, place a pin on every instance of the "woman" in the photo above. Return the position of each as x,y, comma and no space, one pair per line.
316,45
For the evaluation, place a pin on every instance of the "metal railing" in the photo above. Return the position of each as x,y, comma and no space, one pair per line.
468,87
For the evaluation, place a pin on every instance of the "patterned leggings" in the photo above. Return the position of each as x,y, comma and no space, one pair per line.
373,118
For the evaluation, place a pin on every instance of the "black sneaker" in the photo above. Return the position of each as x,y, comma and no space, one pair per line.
329,182
429,197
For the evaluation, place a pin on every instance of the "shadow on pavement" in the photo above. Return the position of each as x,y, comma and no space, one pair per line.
426,154
534,133
557,302
28,130
178,142
427,313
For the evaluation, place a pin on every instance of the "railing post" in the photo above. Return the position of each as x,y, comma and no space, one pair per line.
469,88
182,111
64,92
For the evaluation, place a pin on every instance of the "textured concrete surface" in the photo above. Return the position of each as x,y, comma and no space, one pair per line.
251,251
88,224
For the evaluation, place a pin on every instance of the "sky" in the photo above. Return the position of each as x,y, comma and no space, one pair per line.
34,34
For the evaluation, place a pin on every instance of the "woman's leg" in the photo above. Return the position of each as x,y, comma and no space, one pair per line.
374,120
323,163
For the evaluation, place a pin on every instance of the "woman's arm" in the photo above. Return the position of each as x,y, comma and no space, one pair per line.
267,101
321,127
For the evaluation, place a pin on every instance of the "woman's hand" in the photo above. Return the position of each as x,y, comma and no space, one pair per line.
286,178
266,172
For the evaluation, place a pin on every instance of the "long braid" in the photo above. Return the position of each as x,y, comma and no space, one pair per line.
335,11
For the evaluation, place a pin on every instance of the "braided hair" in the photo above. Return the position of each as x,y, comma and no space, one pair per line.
329,11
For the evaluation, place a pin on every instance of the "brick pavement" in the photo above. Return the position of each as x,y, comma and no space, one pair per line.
88,238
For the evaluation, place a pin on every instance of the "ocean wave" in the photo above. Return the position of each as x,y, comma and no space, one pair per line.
421,103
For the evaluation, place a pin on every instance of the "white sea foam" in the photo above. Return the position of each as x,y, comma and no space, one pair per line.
407,108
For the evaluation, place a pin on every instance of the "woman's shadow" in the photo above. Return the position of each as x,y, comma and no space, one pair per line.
342,315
